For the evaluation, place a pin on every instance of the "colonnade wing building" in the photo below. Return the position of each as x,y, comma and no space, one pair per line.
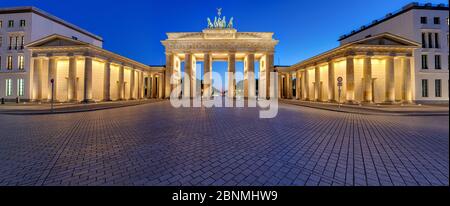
401,58
36,47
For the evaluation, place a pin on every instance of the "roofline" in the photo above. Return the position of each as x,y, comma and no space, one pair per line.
86,45
407,8
31,9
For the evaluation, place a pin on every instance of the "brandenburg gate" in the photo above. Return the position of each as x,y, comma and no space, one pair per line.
219,42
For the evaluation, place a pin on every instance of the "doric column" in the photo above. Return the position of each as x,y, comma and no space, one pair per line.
350,75
298,85
317,93
161,87
367,77
132,84
154,91
87,80
390,80
207,75
149,86
107,82
269,69
141,96
251,82
231,75
331,82
289,85
121,83
306,84
72,87
187,84
37,79
407,82
280,85
52,74
170,58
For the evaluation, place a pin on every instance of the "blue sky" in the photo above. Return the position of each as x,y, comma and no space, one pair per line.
134,28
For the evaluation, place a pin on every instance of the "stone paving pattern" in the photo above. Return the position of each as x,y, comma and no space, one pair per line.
155,144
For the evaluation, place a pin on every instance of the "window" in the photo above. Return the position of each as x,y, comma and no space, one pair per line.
22,42
10,42
424,62
21,63
437,88
436,40
9,63
20,87
424,40
424,88
1,24
16,43
22,23
430,40
8,87
437,20
10,23
437,62
423,20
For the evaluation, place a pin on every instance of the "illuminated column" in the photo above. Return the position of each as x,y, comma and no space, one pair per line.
154,91
107,82
121,83
289,85
250,85
169,72
87,80
161,86
317,93
407,96
231,75
390,79
280,85
298,85
187,84
269,69
350,74
367,76
132,97
37,79
331,82
207,75
72,89
149,86
142,84
52,74
306,84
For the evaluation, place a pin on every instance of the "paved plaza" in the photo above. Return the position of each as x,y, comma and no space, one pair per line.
155,144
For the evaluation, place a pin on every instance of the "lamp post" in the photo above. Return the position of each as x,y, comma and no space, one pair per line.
339,84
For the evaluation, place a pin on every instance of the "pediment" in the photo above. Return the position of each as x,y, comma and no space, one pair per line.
56,41
387,40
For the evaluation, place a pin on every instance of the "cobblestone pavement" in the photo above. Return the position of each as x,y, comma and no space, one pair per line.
155,144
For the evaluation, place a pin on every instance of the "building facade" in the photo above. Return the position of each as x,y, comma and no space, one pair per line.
429,25
428,81
36,47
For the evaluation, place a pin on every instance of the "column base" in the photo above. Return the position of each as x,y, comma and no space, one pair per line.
107,100
367,102
408,102
73,101
88,101
351,102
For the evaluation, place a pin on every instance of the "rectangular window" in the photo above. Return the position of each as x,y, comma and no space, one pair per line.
16,44
22,42
8,87
10,42
437,88
430,40
20,87
437,62
9,63
424,40
424,88
22,23
424,62
1,24
10,23
436,40
437,20
423,20
21,62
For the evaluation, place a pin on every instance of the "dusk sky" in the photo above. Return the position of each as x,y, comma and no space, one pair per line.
134,28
